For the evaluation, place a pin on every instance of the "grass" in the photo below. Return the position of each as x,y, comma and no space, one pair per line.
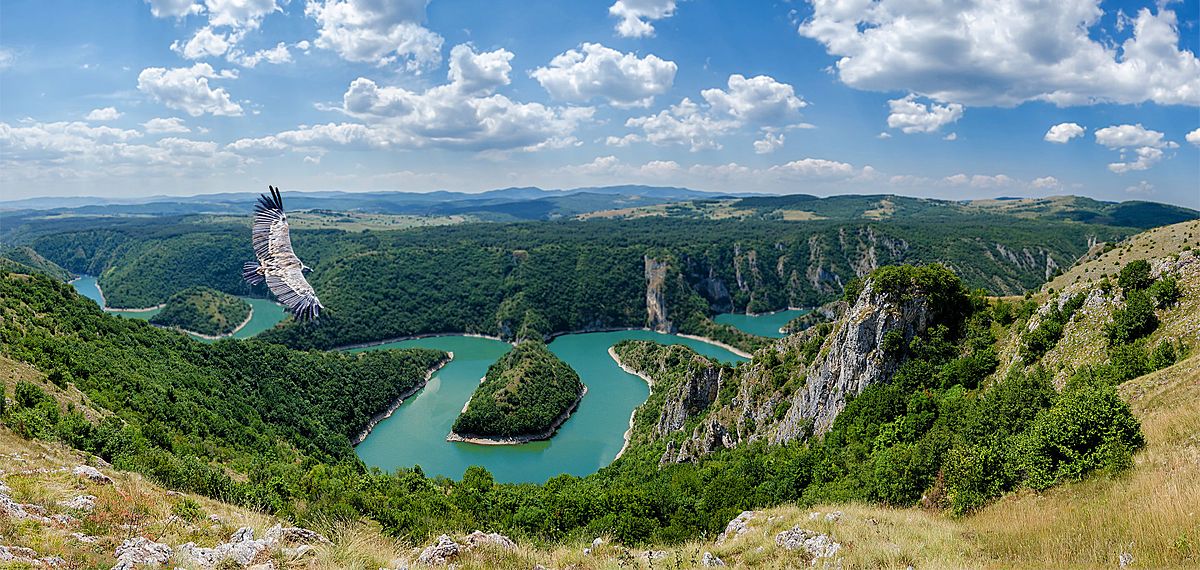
1158,242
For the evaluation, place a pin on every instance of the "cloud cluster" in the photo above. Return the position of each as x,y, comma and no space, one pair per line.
381,33
187,89
1145,145
758,102
228,22
1005,52
598,72
103,115
912,117
636,16
464,113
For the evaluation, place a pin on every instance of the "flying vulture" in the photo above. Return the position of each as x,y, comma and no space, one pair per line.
277,264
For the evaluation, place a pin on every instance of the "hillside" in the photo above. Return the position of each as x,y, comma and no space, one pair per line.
25,256
203,310
525,396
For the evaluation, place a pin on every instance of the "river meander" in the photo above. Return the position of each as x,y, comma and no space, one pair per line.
766,324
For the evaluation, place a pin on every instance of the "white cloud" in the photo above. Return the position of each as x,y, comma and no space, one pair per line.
1142,187
950,137
1063,132
1005,52
758,102
238,14
769,143
1119,136
382,33
167,125
276,55
483,72
598,72
1193,137
636,16
173,8
884,135
1145,144
7,57
912,117
187,89
206,43
621,141
104,114
1046,183
979,180
814,168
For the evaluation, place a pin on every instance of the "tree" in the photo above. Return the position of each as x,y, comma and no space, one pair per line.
1135,276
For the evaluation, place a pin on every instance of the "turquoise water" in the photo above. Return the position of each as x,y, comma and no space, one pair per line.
766,324
266,313
590,439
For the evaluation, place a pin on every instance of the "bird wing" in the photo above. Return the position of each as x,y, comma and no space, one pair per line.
292,289
270,235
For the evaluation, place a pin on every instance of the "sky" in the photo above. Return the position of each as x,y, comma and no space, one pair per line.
951,99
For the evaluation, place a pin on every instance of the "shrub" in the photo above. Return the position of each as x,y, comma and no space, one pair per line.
1082,431
1135,276
1133,321
1166,292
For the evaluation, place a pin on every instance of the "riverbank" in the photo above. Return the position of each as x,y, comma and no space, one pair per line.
649,382
549,337
517,440
413,337
104,302
732,349
391,409
229,334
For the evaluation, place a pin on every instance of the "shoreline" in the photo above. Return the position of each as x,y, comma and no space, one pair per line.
649,381
411,337
391,409
519,439
104,301
717,343
229,334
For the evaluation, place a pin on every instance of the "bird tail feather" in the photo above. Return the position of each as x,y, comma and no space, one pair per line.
250,273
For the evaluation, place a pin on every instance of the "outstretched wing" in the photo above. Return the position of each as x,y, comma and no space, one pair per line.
293,290
270,235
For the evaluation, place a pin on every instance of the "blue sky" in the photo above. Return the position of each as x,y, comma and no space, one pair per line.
947,99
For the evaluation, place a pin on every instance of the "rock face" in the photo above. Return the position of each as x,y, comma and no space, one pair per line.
441,552
855,360
656,299
92,474
736,527
699,389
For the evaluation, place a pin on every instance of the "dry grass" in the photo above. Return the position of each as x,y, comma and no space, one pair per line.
1158,242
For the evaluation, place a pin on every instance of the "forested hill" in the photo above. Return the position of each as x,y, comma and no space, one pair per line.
203,310
532,279
524,394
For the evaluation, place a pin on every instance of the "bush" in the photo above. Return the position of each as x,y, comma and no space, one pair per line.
1135,276
1084,430
1166,292
1133,321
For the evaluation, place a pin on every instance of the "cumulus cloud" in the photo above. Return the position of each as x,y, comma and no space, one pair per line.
950,137
814,168
758,102
104,114
165,125
174,8
238,14
979,180
205,43
1145,145
1142,187
636,16
598,72
1193,137
187,89
1063,132
912,117
1005,52
1046,183
464,113
7,57
382,33
769,143
276,55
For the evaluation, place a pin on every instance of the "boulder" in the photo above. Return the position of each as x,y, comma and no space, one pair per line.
440,552
242,549
710,560
736,527
141,551
85,503
92,474
280,535
479,538
815,544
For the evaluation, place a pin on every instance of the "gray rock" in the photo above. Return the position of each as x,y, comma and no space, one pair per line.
1125,560
92,474
656,555
280,535
141,551
479,538
710,560
736,527
833,517
441,552
85,503
242,549
816,544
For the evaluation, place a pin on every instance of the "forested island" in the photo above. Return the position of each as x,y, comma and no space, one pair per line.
524,397
203,310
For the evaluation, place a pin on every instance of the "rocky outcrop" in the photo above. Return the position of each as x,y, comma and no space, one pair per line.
141,551
92,474
656,301
736,527
699,389
816,545
854,359
440,552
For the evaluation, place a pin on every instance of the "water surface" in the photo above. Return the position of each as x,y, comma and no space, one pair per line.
590,439
766,324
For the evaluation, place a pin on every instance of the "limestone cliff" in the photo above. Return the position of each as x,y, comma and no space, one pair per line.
656,302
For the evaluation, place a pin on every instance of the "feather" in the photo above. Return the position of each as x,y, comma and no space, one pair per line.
276,263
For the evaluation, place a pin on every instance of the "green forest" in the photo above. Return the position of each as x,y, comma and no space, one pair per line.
266,426
524,393
531,280
203,310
